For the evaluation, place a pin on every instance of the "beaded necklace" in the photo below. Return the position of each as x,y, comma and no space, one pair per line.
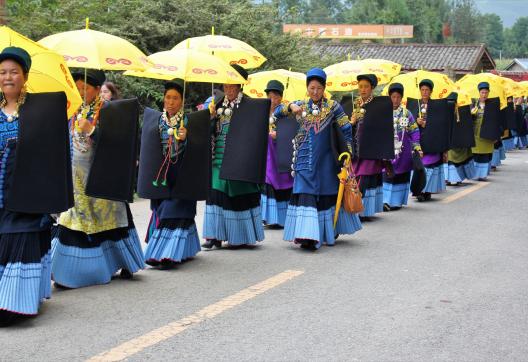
20,101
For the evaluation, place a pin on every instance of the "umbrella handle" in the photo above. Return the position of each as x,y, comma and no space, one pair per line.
346,155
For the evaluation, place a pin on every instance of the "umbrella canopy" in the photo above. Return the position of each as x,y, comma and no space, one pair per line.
524,87
233,51
189,65
48,71
341,77
97,50
443,85
470,82
294,84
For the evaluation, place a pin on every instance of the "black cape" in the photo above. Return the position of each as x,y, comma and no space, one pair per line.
491,124
287,128
462,134
191,176
510,117
375,134
246,146
113,171
520,121
42,176
435,137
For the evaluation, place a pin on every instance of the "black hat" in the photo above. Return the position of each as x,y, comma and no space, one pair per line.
483,85
240,71
371,78
176,83
453,96
426,82
94,77
274,85
19,55
396,87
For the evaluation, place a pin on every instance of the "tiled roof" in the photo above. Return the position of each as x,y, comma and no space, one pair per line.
435,57
523,62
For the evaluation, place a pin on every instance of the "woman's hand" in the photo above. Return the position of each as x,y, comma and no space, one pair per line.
353,119
295,109
182,134
273,134
85,126
420,152
421,122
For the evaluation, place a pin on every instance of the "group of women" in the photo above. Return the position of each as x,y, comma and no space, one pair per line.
256,163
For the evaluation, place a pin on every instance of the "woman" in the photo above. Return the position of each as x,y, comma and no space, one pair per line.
433,162
25,233
460,164
407,141
109,92
278,187
172,235
369,172
309,219
483,150
96,237
232,211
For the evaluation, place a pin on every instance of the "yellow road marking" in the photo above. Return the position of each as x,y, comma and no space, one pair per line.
464,193
136,345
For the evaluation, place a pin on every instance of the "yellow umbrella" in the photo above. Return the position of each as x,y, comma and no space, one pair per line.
341,77
97,50
294,84
231,50
469,83
443,85
512,88
189,65
524,87
48,71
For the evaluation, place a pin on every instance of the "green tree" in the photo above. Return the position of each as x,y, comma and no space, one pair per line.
516,39
493,33
465,22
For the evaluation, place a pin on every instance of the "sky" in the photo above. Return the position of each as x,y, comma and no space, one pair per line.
508,10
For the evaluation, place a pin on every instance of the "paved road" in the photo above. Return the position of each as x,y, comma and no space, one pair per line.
434,282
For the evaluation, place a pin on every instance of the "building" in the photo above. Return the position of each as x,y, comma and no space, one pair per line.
454,60
518,65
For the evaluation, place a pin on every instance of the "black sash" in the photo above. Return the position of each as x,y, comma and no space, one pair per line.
376,132
247,142
42,177
113,170
491,124
463,135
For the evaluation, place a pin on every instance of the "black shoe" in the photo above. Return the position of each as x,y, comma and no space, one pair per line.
365,218
420,198
336,236
7,318
386,207
125,274
427,196
166,264
308,244
60,286
209,243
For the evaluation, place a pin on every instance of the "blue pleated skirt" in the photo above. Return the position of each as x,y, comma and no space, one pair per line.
396,195
454,173
482,170
237,220
372,201
273,211
502,152
77,267
25,271
495,158
305,221
435,179
172,244
508,143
